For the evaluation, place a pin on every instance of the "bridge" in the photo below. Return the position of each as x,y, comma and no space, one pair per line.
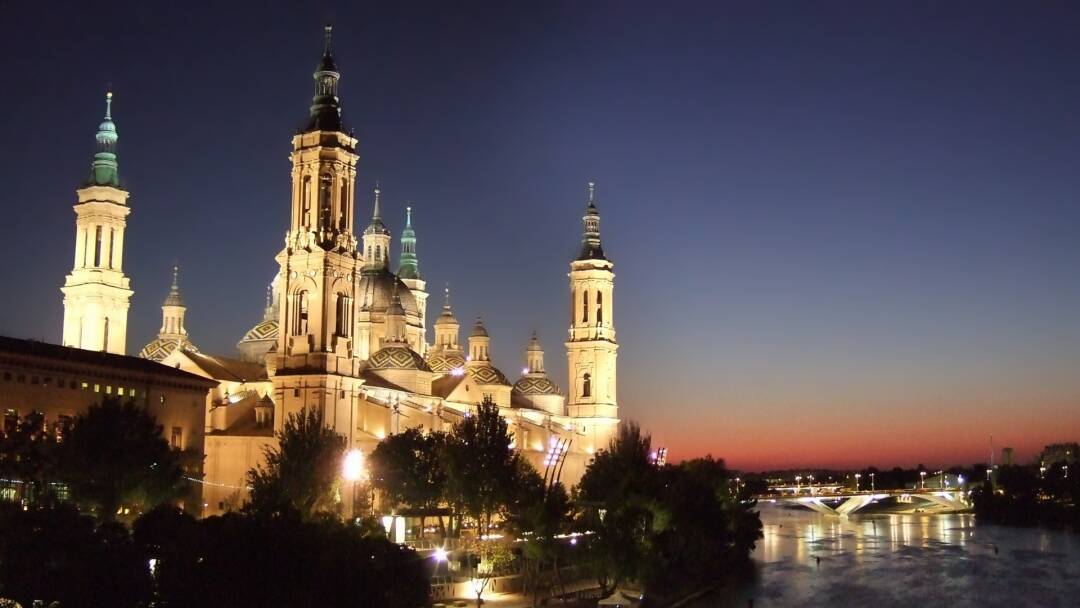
833,501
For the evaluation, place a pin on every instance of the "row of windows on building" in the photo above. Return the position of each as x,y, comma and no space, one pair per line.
46,381
61,424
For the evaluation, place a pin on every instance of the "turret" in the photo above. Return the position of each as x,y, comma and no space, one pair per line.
96,292
447,327
376,238
479,342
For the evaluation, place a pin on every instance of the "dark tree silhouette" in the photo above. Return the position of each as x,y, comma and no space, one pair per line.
406,467
303,473
481,466
115,455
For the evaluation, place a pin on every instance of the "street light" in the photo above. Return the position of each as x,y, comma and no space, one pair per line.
798,480
352,469
871,482
857,476
922,477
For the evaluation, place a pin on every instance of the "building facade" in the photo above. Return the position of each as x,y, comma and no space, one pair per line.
343,333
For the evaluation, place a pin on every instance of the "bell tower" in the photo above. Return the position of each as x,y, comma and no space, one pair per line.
97,293
591,348
319,265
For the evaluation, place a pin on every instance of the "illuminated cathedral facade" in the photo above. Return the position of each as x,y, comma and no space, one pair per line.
344,333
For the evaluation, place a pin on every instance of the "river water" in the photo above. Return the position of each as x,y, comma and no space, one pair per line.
918,560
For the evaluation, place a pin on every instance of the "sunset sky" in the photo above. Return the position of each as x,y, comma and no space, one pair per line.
844,233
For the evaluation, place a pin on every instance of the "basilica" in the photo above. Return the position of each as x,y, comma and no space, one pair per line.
343,330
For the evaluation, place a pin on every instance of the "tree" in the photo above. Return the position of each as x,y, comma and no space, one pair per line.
406,467
480,465
115,455
303,473
540,515
28,454
59,555
616,496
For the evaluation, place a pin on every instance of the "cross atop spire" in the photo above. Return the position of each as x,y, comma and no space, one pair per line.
328,29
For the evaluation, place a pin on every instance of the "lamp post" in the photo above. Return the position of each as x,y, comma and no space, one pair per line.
857,476
811,484
352,469
922,479
798,481
872,482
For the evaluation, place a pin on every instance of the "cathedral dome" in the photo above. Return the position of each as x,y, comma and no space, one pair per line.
487,374
536,385
258,340
376,292
397,356
445,362
159,348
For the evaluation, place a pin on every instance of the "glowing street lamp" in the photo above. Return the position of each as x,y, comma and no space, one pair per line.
922,476
798,480
871,482
352,469
857,476
440,555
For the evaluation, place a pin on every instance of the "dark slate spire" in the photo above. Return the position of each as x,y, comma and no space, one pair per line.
409,265
590,240
376,226
105,170
325,107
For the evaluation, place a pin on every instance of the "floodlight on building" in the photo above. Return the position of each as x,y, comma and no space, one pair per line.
353,467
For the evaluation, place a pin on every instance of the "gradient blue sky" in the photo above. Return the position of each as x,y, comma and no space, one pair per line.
845,233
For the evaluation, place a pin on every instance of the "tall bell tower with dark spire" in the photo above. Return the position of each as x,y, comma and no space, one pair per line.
315,366
97,293
591,347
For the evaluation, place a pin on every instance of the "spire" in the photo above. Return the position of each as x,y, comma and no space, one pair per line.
408,265
447,315
376,226
268,311
104,171
534,356
590,240
174,299
395,318
325,107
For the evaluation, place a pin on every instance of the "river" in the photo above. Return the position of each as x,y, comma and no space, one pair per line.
918,560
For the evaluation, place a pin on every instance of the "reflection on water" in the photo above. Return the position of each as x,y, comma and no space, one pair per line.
923,560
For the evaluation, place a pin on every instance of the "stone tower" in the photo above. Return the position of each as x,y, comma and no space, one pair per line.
96,293
409,273
591,348
314,363
172,335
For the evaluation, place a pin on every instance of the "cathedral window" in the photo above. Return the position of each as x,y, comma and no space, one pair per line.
585,307
342,315
112,235
324,202
305,198
97,247
599,308
105,342
586,385
343,221
300,323
378,253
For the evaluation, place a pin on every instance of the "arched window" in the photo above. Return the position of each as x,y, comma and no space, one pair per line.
585,307
378,253
342,315
586,385
342,219
325,202
97,247
301,322
305,202
105,343
599,308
